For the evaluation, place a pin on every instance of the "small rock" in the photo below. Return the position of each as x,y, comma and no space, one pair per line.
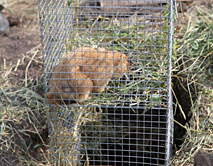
203,158
4,24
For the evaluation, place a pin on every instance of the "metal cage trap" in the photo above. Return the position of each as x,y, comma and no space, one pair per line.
107,67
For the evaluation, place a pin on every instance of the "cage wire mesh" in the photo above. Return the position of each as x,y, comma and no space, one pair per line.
107,66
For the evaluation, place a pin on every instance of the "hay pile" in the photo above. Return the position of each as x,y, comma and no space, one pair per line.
194,63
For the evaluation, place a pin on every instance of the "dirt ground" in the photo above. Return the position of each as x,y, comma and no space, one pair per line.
20,48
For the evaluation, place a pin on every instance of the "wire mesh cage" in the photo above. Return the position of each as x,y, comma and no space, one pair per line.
107,67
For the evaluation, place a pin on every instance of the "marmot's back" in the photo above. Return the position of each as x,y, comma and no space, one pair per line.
84,71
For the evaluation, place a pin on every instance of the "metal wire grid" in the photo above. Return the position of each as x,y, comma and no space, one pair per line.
129,122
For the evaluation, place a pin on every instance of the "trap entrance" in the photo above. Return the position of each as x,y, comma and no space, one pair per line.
107,67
